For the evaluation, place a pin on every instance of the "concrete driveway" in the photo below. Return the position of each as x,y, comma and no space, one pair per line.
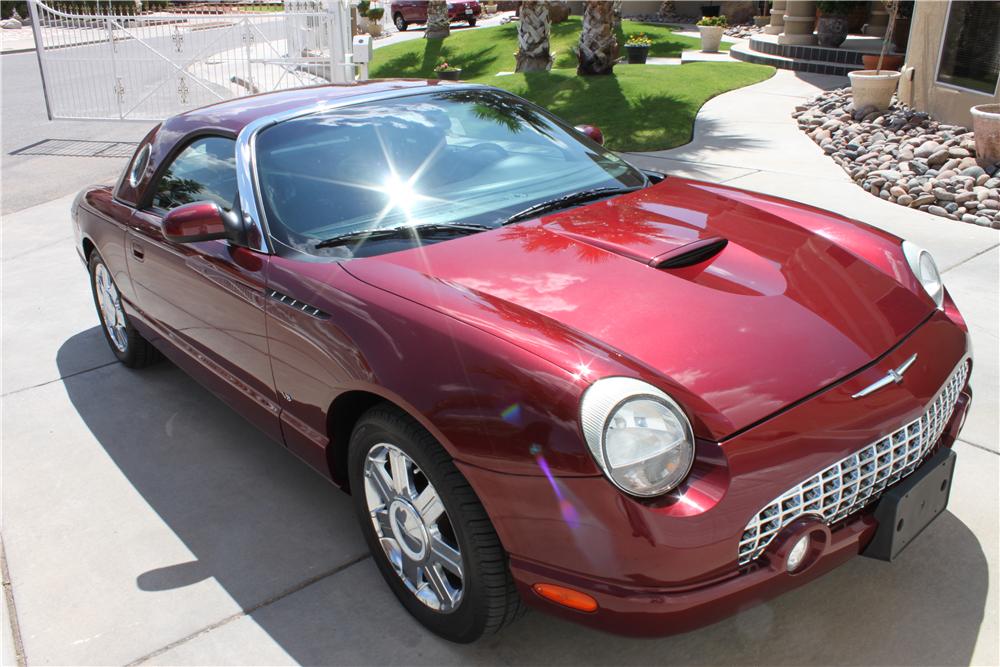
144,521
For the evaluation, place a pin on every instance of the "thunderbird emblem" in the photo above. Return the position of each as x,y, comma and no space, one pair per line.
895,376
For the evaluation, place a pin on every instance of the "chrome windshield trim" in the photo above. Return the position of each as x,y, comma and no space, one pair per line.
246,170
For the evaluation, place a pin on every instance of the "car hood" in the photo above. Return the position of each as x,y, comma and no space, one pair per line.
726,296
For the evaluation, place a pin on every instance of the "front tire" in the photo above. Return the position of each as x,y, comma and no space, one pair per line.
126,343
472,23
400,22
428,533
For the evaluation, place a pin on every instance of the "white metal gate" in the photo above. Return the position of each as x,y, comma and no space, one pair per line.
151,65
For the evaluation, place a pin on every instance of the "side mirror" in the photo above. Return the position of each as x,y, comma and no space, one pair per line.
200,221
591,131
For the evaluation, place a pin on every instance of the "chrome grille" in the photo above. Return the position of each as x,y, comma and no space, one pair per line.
856,480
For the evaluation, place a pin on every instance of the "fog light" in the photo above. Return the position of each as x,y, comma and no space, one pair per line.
797,554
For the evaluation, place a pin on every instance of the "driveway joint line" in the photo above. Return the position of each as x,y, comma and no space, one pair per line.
8,595
250,610
58,379
972,257
972,444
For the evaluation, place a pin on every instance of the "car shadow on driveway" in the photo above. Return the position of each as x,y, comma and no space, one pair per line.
260,523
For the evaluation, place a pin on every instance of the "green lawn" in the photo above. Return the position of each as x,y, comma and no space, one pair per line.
641,107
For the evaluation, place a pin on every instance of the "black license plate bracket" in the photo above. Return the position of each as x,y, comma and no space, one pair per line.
907,508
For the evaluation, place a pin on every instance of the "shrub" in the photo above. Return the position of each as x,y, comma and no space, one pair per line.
713,20
639,40
375,13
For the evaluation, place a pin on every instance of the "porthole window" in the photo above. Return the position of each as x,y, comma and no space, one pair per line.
138,166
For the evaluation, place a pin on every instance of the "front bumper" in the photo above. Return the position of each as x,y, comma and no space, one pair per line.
670,565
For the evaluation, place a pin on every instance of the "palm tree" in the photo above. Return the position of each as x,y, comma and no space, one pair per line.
598,46
533,37
438,26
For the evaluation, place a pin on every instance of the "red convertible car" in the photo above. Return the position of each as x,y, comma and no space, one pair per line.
546,377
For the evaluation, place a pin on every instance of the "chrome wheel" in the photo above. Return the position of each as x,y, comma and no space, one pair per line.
110,304
413,527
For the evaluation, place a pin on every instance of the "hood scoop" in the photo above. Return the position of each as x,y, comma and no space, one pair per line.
690,254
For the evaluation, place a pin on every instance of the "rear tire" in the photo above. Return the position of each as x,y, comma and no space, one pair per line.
401,24
411,499
125,342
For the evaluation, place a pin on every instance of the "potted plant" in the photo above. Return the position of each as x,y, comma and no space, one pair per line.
986,128
374,16
831,29
490,8
764,18
448,72
874,87
711,28
637,48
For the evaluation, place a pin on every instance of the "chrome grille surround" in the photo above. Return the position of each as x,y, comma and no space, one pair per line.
856,480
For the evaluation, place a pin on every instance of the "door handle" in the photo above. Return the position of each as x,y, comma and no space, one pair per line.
137,251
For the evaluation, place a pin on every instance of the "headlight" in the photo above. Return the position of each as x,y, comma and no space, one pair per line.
638,435
926,271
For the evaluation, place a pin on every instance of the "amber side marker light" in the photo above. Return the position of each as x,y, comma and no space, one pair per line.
567,597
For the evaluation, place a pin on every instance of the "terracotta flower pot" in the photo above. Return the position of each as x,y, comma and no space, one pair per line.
711,37
986,126
870,88
891,61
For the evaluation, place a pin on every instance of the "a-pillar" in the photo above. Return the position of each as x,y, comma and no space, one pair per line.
777,25
800,19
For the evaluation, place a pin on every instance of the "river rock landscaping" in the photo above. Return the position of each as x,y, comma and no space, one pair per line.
906,157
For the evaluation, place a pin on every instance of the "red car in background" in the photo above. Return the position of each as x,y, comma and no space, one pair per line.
545,376
405,12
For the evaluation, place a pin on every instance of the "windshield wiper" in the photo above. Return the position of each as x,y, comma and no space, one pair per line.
401,231
566,200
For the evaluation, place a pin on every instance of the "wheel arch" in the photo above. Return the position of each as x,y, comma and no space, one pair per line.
343,414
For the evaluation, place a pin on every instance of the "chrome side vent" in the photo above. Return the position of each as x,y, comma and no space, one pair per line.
298,305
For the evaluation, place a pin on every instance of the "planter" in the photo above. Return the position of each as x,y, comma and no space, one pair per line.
374,28
872,89
891,61
900,34
711,37
637,54
761,21
450,74
831,30
710,10
490,9
986,126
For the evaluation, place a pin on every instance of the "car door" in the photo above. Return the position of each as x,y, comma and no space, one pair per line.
205,299
414,10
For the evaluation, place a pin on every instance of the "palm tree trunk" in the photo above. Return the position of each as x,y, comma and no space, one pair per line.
596,52
533,37
437,20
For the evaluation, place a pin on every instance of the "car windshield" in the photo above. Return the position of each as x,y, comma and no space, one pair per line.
471,157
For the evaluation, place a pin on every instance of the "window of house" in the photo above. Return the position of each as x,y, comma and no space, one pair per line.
970,52
204,171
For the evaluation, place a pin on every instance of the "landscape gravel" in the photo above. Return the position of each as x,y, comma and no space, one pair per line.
905,156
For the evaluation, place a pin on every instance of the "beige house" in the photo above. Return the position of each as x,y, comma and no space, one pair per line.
953,58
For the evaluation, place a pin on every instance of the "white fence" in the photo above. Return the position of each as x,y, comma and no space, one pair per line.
152,65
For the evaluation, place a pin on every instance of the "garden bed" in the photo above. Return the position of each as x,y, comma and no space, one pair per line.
906,157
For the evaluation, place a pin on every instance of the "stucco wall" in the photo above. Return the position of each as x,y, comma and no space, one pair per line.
917,86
